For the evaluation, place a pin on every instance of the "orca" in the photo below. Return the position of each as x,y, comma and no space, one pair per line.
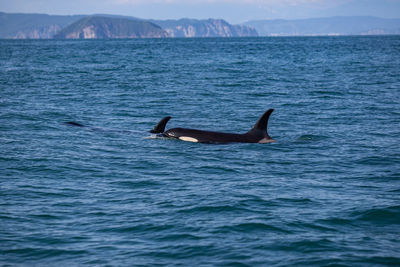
257,134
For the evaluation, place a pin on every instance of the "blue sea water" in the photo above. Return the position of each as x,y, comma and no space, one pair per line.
327,193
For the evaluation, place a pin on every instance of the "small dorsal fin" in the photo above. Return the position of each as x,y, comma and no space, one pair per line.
262,123
160,127
73,123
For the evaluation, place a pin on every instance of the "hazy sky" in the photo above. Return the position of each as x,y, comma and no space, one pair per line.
234,11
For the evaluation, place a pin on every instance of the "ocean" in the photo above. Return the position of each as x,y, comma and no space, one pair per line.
327,193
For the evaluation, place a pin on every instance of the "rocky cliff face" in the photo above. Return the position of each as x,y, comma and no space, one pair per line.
42,26
95,27
46,32
204,28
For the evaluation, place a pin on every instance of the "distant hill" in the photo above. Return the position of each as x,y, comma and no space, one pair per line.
42,26
33,26
96,27
204,28
326,26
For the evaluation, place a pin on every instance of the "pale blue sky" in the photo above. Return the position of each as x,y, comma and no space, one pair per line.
234,11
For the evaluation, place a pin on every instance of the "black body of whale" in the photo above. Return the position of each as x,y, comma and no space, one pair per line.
257,134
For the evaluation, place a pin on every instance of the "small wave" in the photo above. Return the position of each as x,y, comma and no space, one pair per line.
136,184
327,94
381,260
318,245
218,169
388,215
254,202
101,129
253,227
179,237
313,226
241,62
380,216
45,217
182,251
213,209
42,253
295,200
377,160
310,138
334,222
137,228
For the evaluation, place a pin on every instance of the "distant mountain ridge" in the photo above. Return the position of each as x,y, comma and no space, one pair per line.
326,26
42,26
33,26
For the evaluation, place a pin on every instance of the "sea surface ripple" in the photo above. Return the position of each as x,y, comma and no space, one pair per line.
327,193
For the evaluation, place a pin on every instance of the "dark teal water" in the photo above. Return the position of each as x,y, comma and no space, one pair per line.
326,194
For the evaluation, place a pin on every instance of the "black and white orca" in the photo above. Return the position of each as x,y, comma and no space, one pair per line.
257,134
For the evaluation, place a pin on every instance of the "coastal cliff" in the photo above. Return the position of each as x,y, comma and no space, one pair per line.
43,26
96,27
204,28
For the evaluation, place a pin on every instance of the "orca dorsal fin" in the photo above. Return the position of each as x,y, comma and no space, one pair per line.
160,127
73,123
262,123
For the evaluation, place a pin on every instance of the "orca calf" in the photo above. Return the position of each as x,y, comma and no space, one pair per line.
257,134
